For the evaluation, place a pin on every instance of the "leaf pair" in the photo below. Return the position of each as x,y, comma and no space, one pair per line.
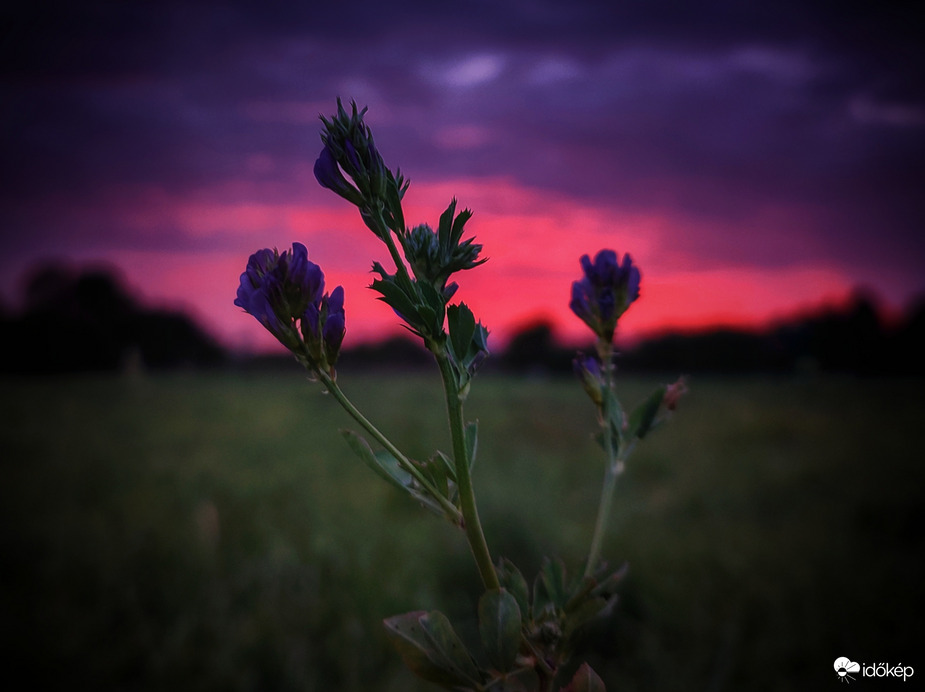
387,467
468,342
560,607
642,419
500,627
430,647
421,307
644,416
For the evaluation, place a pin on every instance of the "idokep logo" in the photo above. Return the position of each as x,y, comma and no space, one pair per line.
845,667
847,670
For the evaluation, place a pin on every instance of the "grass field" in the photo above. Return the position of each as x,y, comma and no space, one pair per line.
214,532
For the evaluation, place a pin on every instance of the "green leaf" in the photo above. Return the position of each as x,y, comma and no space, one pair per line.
431,648
468,344
430,504
447,463
387,467
458,224
450,229
480,338
472,442
438,472
427,318
382,462
616,416
461,323
643,416
587,611
607,584
513,580
542,603
445,227
585,680
395,190
433,306
444,640
499,627
579,591
396,298
552,575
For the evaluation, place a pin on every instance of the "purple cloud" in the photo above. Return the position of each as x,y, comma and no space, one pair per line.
792,132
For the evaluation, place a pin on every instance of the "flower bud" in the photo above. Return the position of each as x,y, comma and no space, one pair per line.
349,152
435,256
323,327
605,292
329,175
592,380
673,394
422,250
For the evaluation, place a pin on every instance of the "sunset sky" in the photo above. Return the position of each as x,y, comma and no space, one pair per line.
754,158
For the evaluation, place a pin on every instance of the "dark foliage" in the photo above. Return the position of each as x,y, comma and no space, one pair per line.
535,349
396,353
88,321
855,339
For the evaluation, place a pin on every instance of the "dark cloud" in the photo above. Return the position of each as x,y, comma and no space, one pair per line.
715,110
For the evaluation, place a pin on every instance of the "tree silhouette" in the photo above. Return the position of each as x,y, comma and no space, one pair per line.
88,321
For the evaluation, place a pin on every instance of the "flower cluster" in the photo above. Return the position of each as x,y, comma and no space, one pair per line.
351,165
434,256
285,293
605,292
420,289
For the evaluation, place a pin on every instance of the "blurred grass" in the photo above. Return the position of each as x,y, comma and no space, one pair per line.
213,532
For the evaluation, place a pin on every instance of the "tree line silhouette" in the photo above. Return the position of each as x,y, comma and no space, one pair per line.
854,338
86,321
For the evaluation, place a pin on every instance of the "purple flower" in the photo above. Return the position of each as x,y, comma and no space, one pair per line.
276,288
605,292
255,301
329,175
323,327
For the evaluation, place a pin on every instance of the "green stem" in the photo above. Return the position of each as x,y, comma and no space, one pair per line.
386,235
615,461
396,257
613,470
387,444
471,523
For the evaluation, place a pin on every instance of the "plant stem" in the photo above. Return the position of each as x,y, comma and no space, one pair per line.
615,460
387,444
386,235
471,523
613,470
